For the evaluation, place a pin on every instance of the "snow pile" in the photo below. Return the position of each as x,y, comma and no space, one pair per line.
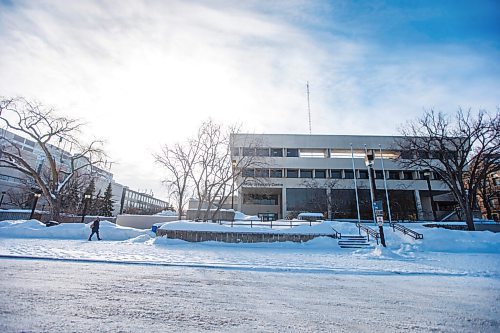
442,240
239,216
36,229
166,213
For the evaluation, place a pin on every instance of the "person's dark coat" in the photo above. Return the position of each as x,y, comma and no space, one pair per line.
95,226
95,229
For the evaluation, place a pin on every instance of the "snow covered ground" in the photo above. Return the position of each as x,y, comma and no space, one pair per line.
130,281
51,296
441,252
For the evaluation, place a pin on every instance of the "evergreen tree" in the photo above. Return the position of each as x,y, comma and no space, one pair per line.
96,207
108,203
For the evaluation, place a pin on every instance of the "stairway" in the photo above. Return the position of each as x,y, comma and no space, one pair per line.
354,242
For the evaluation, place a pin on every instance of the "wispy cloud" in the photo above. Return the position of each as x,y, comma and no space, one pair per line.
148,72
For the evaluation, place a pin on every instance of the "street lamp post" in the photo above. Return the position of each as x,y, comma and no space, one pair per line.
86,199
36,196
1,199
369,161
427,176
233,164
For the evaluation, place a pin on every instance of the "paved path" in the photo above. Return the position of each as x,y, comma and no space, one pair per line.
51,296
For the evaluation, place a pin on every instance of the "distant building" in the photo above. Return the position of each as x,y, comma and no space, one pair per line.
314,173
492,193
139,203
17,188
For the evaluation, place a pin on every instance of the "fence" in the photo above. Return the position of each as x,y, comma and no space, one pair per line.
45,216
271,224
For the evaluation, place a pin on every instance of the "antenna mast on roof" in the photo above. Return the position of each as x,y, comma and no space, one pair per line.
308,107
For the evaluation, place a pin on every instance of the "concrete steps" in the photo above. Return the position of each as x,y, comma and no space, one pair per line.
354,242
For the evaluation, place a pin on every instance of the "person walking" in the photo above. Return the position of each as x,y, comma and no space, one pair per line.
95,229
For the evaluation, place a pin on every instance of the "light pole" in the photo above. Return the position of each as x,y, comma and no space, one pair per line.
427,176
36,196
369,160
1,199
233,164
86,198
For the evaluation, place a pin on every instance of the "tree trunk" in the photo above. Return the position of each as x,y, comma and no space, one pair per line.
55,210
469,219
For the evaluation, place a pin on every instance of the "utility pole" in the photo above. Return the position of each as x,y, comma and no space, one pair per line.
309,108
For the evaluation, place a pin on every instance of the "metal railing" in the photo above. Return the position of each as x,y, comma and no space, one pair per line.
369,231
406,231
336,234
271,224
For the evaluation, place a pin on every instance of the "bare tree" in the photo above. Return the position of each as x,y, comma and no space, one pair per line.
214,172
178,161
41,125
203,166
461,150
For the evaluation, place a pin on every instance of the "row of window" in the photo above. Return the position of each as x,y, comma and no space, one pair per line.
331,173
333,153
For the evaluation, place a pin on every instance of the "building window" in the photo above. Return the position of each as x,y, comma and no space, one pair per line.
260,199
379,174
246,172
346,153
320,173
292,173
306,173
248,151
262,151
292,152
262,173
336,173
235,151
276,173
406,154
313,153
393,174
363,174
348,174
306,199
276,152
407,175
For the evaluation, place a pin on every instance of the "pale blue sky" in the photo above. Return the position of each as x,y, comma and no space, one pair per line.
143,73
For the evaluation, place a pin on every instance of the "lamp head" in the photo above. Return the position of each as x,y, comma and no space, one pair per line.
369,158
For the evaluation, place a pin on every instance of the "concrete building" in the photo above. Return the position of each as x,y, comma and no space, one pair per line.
315,173
17,189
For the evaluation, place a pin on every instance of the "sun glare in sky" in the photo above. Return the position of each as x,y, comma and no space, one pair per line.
147,73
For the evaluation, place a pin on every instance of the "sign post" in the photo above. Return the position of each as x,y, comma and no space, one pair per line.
379,214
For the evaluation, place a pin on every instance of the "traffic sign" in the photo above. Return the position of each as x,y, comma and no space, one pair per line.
380,221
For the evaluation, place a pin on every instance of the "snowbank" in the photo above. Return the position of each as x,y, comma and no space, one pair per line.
435,239
442,240
36,229
239,216
166,213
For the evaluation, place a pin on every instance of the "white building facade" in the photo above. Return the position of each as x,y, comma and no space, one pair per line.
318,173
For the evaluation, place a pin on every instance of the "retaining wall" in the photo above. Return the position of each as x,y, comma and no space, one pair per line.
237,237
142,221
